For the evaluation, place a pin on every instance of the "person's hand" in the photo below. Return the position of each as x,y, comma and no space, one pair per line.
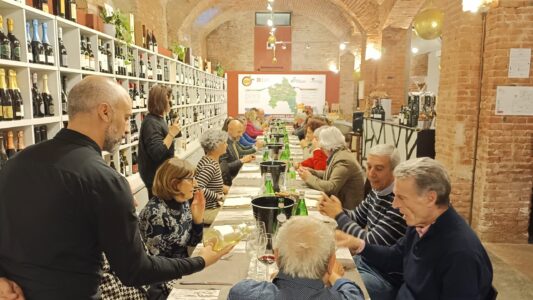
198,207
304,173
259,144
296,165
304,143
348,241
336,273
9,290
210,256
175,128
330,207
225,189
247,158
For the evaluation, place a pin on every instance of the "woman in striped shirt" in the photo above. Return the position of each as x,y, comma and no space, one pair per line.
208,173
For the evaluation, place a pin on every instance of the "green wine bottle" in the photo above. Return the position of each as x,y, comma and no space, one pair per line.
300,209
269,187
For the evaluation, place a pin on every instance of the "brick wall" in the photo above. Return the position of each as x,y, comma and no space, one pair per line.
419,65
504,170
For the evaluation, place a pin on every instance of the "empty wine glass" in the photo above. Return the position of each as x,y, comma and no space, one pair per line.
265,253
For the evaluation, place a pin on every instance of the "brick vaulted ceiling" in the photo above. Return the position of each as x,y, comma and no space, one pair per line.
191,21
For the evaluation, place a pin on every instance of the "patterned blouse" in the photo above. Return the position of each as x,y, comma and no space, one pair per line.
167,228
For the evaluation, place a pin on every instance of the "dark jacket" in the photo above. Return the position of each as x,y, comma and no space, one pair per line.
152,150
448,262
230,162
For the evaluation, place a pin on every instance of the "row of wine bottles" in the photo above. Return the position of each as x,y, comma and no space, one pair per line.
9,44
9,145
149,41
66,9
125,168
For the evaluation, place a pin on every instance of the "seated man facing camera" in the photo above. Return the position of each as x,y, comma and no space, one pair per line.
307,269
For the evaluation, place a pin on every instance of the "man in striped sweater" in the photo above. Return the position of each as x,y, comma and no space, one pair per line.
374,220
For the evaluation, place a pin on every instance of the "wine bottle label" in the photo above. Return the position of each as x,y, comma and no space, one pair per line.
16,53
50,59
42,58
82,60
64,58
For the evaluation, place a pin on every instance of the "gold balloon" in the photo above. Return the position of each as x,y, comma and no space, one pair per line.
271,39
428,23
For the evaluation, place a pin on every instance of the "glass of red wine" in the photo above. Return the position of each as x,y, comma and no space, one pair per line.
265,253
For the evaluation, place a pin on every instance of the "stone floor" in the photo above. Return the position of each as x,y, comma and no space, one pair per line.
513,270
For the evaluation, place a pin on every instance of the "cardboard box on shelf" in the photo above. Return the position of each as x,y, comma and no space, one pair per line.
95,22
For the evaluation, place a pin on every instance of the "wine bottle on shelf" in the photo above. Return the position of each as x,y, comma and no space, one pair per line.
16,96
154,43
39,56
15,43
92,63
63,58
44,133
166,72
37,99
150,71
102,57
83,62
5,43
149,41
5,98
28,43
3,153
37,134
73,10
136,96
142,67
20,141
129,65
10,145
59,8
109,54
159,71
144,37
47,98
64,103
116,61
134,164
127,168
48,49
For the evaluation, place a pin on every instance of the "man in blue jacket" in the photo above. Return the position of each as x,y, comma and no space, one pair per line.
440,256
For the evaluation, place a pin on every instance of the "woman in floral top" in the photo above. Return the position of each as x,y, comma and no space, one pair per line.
168,223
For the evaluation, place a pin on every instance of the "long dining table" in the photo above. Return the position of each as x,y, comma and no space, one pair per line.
214,282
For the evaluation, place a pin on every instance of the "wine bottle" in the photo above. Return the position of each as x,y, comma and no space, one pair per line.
3,153
39,56
300,209
159,71
20,141
5,98
48,49
83,61
59,8
136,96
16,96
166,72
134,164
142,67
129,65
47,98
127,168
92,64
109,59
154,43
144,37
268,186
150,71
281,217
64,103
10,151
63,57
5,43
73,11
15,43
121,162
149,41
37,99
37,134
28,43
44,133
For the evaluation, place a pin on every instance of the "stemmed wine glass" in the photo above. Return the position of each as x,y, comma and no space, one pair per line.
265,254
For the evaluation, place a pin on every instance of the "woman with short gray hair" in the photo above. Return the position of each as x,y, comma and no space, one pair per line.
343,176
208,173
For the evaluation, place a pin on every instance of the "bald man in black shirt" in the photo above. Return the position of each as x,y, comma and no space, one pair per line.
61,206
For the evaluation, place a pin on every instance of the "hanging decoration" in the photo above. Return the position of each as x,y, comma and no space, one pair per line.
428,23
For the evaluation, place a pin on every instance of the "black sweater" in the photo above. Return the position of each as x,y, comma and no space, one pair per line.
448,262
152,150
61,207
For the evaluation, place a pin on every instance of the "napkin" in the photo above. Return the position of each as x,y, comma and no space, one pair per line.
184,294
237,201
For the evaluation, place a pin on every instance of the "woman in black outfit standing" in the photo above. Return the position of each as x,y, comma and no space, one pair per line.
156,140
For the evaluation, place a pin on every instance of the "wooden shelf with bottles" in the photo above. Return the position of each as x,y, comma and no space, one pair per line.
199,97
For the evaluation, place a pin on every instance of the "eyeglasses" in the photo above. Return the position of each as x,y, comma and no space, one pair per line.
188,178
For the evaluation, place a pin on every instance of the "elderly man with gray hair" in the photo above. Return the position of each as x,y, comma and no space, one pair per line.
440,256
306,268
374,220
208,172
343,176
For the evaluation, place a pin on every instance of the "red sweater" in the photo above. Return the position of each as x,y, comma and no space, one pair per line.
252,131
316,162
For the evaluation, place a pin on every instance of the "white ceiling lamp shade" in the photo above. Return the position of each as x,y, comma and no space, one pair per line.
414,50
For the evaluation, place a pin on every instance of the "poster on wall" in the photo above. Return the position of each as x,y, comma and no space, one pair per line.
279,94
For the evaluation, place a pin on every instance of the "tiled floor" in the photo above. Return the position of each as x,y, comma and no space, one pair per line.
513,270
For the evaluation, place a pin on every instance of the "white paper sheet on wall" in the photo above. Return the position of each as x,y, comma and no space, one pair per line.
514,100
519,62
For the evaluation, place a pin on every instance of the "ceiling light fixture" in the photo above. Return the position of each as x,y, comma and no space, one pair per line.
414,50
333,68
342,46
372,52
474,6
270,22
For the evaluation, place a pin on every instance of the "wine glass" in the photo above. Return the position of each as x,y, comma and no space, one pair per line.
265,253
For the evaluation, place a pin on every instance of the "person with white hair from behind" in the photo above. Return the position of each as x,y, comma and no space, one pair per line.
343,176
307,269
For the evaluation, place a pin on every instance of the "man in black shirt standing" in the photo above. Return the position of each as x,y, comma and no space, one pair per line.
61,206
